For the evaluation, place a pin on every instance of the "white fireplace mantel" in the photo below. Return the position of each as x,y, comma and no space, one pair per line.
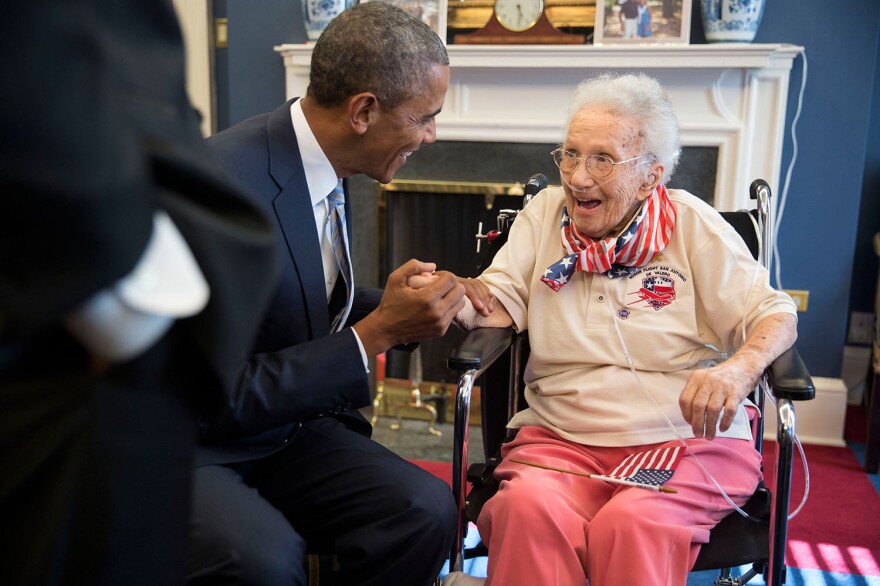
730,96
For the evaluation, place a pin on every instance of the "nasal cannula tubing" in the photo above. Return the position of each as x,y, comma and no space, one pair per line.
761,384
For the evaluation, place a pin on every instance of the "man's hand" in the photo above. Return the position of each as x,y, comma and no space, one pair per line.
480,308
479,294
417,304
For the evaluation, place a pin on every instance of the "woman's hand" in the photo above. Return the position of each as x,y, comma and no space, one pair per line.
717,392
476,291
479,294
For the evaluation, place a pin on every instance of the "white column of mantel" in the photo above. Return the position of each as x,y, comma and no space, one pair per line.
729,96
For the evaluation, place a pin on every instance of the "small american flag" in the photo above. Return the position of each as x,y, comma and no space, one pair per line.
653,467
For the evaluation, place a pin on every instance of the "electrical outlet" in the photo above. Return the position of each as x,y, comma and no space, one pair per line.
800,298
861,328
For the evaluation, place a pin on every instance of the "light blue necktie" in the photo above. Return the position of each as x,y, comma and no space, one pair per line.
334,229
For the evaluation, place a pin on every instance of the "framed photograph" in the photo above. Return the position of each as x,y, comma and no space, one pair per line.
664,22
431,12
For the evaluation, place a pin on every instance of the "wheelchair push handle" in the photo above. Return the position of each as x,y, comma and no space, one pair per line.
759,190
536,183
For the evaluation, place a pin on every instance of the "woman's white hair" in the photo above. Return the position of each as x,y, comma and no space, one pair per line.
638,96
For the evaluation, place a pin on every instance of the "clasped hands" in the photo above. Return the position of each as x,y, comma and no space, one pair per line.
419,302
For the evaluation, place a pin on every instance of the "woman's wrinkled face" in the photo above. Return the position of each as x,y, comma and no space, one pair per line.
600,205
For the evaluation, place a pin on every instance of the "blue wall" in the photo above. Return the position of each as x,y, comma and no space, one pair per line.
827,224
253,82
818,233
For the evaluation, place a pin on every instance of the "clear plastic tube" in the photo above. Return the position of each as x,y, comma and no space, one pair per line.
709,476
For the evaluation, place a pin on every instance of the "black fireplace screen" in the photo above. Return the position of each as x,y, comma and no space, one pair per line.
438,226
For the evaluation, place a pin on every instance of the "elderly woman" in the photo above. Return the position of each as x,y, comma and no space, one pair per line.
634,296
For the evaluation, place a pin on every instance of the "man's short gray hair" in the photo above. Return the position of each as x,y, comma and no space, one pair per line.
373,47
638,96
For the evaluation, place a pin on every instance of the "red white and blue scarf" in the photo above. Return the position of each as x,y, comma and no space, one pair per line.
615,256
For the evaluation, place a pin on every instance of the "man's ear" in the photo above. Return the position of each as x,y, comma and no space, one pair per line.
363,109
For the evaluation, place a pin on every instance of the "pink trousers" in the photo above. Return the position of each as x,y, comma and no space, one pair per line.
546,528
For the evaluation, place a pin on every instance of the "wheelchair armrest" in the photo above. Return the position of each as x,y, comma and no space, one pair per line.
789,378
480,348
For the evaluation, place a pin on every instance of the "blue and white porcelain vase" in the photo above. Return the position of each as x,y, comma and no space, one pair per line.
317,14
731,21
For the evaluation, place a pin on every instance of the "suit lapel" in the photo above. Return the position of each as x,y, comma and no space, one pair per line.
293,208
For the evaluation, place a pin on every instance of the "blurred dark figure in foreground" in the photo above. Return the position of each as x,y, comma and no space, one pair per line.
131,275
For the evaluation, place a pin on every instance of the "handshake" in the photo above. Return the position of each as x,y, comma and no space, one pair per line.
420,302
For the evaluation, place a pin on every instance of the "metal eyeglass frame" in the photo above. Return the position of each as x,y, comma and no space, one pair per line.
556,153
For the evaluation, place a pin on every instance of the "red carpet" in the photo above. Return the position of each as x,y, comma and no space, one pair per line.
838,529
442,470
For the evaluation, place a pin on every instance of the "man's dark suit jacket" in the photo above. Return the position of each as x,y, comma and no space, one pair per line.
297,369
98,134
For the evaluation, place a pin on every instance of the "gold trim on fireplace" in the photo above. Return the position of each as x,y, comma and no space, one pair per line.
455,187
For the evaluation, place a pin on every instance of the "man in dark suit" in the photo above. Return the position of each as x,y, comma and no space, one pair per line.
289,466
126,292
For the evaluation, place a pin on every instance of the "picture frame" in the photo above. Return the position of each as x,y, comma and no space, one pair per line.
668,22
431,12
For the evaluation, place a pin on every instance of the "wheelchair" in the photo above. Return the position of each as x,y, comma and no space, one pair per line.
497,356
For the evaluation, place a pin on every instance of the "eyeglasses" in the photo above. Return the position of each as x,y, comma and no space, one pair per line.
597,165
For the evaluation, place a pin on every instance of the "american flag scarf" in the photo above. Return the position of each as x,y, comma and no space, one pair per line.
645,237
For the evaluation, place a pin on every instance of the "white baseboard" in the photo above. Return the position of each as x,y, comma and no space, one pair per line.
819,421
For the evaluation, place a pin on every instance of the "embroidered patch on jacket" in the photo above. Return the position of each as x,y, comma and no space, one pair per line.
658,287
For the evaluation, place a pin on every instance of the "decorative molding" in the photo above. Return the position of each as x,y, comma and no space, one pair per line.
731,96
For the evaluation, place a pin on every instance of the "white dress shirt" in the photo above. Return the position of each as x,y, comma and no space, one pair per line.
127,318
321,179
